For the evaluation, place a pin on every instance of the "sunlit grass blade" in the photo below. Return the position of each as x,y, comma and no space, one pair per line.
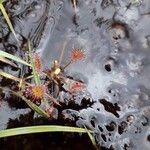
21,84
33,106
15,58
1,1
92,139
2,8
9,76
29,77
35,73
39,129
3,59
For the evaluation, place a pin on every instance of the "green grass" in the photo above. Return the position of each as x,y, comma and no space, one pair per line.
36,77
39,129
12,57
7,61
3,10
33,106
31,129
9,76
92,139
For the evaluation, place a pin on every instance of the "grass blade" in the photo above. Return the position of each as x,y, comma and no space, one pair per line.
92,139
39,129
29,103
1,1
9,76
3,59
32,105
36,108
15,58
2,8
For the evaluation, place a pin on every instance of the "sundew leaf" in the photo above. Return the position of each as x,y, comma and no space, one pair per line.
3,10
12,57
39,129
35,73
